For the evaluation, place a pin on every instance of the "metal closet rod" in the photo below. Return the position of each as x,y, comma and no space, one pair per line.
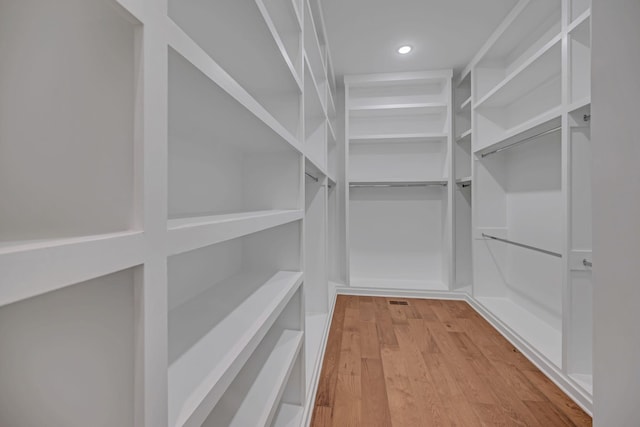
425,184
546,132
533,248
312,177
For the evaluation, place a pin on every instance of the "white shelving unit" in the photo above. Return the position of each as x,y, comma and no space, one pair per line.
530,151
399,131
153,239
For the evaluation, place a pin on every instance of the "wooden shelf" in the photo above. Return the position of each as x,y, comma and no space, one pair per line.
259,403
200,374
32,268
186,234
261,70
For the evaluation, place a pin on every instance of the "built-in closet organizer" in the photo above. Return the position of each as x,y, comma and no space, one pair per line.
531,184
399,198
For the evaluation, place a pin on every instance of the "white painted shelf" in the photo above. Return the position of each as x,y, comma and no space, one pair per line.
377,110
465,106
185,234
408,137
442,181
200,373
259,404
542,336
313,51
464,136
542,67
262,70
289,416
188,49
280,16
541,123
31,268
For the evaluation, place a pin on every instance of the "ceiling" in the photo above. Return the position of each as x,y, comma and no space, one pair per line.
364,35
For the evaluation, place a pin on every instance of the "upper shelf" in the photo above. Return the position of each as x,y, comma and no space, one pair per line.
33,268
313,51
261,69
398,138
529,27
205,103
186,234
411,109
543,66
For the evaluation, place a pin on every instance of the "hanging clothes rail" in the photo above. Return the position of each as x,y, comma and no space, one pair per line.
418,184
533,248
547,132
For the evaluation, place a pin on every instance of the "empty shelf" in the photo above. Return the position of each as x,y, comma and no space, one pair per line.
31,268
200,373
185,234
259,405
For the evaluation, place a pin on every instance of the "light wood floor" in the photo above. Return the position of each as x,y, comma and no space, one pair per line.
430,363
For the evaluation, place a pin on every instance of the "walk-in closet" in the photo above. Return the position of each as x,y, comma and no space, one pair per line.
295,213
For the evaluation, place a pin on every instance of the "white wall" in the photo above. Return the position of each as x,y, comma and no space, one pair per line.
616,211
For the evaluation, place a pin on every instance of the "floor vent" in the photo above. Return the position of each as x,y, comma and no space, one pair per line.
398,303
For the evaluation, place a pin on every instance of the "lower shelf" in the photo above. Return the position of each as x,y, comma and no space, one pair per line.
203,366
289,416
538,333
259,404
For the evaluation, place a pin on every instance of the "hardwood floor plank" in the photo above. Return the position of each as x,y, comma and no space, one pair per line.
375,404
402,401
322,417
430,363
369,345
346,412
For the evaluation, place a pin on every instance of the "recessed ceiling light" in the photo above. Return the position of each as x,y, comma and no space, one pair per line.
403,50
